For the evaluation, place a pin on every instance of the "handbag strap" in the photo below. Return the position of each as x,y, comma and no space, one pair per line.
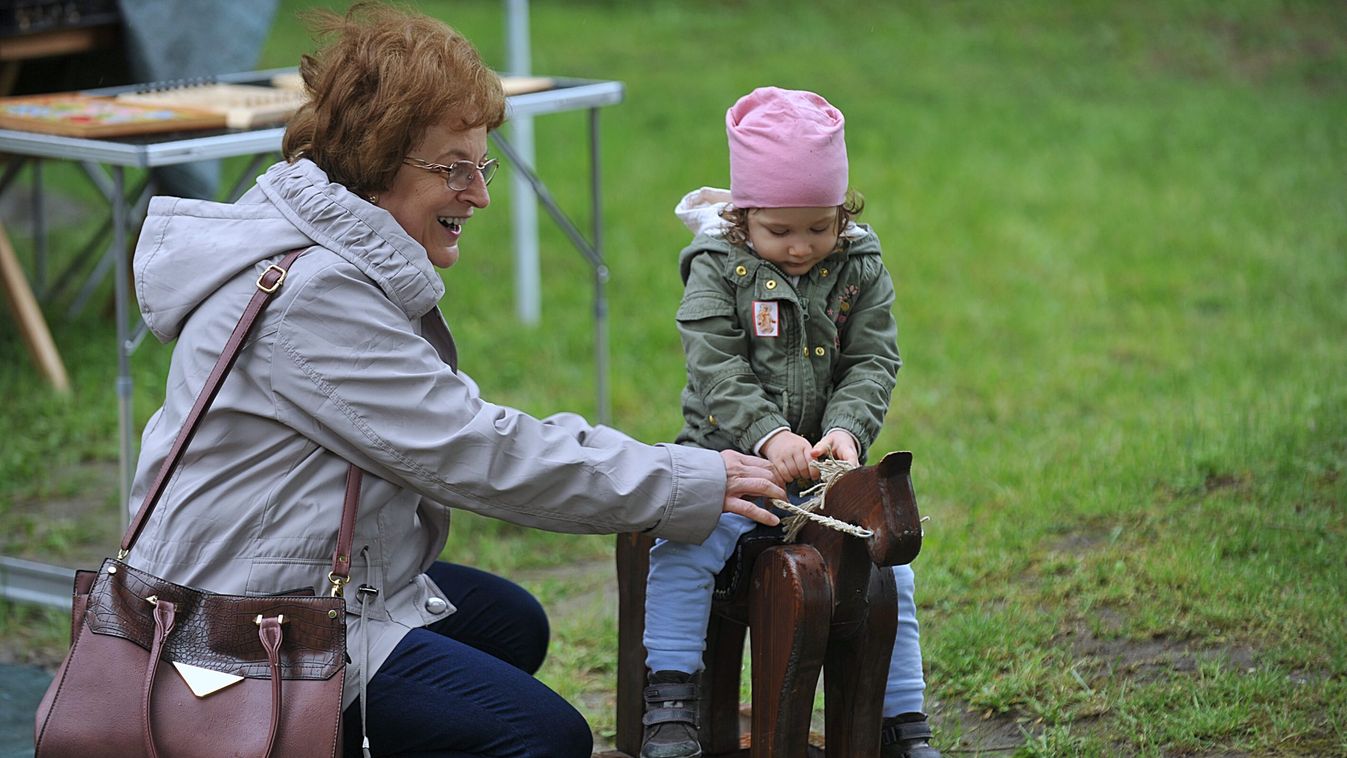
267,284
269,632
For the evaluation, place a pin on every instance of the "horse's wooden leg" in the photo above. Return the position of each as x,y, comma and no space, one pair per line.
856,672
633,562
790,612
724,659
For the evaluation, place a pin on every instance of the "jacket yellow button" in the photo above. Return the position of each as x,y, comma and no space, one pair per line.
436,605
819,351
823,272
771,284
711,420
806,351
740,270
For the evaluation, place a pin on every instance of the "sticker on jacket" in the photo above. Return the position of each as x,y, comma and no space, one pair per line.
766,318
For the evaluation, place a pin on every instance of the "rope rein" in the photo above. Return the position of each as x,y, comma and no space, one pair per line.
830,470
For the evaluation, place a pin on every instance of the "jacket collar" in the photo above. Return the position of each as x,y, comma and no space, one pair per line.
363,234
858,239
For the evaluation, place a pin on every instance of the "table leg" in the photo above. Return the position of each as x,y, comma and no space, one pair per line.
122,297
32,325
39,233
600,273
589,250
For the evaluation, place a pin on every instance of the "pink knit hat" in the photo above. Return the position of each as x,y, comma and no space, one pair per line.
787,150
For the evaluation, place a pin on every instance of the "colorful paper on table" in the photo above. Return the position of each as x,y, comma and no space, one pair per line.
72,114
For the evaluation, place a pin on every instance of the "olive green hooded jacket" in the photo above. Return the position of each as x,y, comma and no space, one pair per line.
763,352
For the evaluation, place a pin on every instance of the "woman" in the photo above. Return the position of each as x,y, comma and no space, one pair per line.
352,362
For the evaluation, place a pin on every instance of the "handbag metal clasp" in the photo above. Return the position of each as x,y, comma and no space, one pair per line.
338,584
280,279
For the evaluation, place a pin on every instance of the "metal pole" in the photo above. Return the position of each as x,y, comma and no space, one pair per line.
523,205
124,421
135,212
549,203
39,234
600,273
32,582
581,244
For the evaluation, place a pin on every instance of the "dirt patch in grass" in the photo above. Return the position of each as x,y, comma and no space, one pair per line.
1151,659
962,729
1302,47
1154,658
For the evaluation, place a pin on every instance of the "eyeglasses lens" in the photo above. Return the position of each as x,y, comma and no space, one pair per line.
462,173
489,171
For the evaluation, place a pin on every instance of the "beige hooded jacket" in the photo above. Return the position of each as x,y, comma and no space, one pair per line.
352,361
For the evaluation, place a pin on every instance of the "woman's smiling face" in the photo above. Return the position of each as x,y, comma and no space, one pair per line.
421,200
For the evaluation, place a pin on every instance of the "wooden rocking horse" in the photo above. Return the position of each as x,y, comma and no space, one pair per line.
822,601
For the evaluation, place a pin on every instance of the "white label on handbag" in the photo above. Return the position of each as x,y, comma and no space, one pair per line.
204,681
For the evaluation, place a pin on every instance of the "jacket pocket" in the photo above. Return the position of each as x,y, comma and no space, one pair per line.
697,308
269,576
273,575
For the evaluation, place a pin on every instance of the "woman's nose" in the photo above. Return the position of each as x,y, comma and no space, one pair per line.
476,194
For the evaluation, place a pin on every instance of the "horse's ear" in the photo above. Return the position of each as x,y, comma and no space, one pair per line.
895,464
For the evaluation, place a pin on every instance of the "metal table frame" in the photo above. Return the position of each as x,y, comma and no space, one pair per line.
30,581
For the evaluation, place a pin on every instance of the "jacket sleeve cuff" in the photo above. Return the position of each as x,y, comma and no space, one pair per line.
760,430
852,434
864,437
696,498
757,448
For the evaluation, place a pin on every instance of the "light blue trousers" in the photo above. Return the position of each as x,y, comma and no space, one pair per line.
678,608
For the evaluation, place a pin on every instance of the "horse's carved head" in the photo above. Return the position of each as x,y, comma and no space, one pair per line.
880,498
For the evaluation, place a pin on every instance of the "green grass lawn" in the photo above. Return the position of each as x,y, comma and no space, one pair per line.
1119,234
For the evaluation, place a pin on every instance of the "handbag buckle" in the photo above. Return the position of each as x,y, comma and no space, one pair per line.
280,279
338,584
280,619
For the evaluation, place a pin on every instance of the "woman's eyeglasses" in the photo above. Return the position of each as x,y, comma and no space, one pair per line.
459,174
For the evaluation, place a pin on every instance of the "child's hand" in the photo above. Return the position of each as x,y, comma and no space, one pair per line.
789,454
837,444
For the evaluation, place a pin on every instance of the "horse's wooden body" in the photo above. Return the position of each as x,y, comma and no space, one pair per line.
824,602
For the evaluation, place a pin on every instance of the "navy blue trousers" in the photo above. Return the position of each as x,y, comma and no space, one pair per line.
463,687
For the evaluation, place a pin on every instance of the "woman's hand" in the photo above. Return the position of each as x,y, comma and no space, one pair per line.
747,475
790,456
839,445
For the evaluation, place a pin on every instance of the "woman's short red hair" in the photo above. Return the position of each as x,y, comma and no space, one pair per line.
385,76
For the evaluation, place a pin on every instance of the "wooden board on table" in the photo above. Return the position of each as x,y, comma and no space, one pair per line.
72,114
513,85
518,85
243,106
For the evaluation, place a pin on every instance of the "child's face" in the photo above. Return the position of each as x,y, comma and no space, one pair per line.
795,239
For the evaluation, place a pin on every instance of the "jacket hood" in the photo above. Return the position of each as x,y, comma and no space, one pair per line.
699,210
190,248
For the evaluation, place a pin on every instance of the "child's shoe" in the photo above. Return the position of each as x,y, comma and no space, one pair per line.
671,716
907,735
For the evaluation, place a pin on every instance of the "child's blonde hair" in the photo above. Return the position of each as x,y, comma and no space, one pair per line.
737,234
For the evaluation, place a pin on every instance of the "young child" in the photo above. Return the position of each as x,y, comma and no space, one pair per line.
792,353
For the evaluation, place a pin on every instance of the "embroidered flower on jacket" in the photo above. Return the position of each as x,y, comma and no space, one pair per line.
842,309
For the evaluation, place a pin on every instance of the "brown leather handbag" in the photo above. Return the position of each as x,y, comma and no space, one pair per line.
156,668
